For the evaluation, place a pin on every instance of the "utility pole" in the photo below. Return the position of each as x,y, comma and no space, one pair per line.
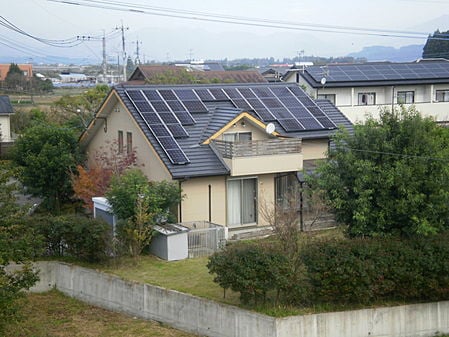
105,62
137,60
122,29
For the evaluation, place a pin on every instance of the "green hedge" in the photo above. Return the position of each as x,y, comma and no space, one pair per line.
80,237
368,270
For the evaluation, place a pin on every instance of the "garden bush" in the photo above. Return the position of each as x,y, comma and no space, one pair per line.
253,270
80,237
368,270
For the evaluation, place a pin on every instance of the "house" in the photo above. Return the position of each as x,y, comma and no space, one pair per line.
172,74
230,147
6,111
362,89
26,68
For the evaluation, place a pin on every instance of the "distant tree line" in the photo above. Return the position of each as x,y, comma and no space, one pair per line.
16,81
437,45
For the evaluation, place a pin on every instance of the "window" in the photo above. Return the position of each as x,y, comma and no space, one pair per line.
287,191
442,95
237,137
129,142
367,98
120,142
242,201
329,97
405,97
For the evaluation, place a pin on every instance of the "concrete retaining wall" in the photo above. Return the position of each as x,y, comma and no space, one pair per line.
205,317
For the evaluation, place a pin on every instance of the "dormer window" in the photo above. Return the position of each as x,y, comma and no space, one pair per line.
237,137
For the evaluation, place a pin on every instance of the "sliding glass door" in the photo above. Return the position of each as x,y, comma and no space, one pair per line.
242,201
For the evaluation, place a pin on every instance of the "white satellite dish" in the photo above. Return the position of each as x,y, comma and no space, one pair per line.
270,128
323,81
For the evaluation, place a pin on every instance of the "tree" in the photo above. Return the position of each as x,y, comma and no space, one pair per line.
94,180
78,111
17,244
15,79
390,177
139,205
437,46
46,154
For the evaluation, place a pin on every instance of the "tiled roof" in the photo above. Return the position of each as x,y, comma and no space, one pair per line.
5,106
378,74
202,159
156,73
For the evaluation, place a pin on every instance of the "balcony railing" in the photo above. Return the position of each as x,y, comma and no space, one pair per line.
258,147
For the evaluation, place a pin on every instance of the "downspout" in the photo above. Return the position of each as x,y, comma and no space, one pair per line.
392,99
180,201
301,207
210,203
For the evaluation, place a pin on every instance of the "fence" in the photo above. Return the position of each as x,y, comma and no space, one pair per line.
208,318
204,238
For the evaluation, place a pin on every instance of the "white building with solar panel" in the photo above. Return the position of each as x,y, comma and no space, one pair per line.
360,90
230,147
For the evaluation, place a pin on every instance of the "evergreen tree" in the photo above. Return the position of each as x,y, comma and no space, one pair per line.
437,45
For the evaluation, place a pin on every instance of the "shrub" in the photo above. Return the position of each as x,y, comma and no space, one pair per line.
253,270
366,270
77,236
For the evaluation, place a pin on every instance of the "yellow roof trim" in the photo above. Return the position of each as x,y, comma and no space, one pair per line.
244,114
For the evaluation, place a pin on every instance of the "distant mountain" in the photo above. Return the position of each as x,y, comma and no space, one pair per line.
382,53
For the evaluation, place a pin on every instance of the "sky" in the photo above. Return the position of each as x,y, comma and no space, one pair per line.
311,28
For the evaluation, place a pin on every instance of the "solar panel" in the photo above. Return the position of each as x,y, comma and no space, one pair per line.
281,92
185,117
152,95
185,94
247,93
326,122
177,156
232,93
177,130
300,112
265,115
310,124
281,113
167,94
204,95
168,117
271,102
290,124
143,106
263,92
317,112
195,106
160,130
160,106
135,95
241,103
218,94
151,117
176,105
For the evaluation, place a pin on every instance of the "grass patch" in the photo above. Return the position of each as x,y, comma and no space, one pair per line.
53,314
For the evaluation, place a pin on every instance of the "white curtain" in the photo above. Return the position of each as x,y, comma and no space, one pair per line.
248,201
234,202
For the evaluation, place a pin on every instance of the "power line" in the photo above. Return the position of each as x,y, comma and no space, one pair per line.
230,19
399,154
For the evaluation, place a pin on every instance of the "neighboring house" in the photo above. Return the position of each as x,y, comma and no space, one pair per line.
231,148
151,74
201,66
26,68
6,111
362,89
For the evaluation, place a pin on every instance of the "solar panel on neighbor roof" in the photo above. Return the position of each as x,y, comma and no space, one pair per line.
377,72
158,123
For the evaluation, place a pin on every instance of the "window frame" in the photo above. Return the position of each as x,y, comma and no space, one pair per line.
129,143
255,201
444,93
405,94
367,94
120,141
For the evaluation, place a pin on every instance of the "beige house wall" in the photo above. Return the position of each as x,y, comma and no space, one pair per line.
147,159
314,148
195,205
5,128
256,132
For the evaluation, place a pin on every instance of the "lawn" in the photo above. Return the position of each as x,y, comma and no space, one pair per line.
54,315
188,276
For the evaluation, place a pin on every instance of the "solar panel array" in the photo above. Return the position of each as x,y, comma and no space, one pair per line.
380,71
288,105
167,111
